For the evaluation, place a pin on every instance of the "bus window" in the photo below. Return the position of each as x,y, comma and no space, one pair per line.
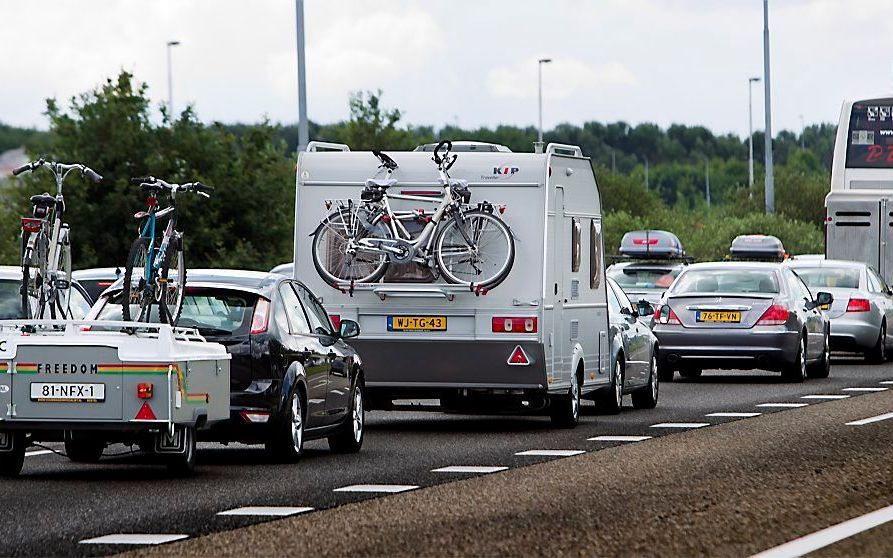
870,137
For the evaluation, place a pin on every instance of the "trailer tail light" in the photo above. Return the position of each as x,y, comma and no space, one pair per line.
145,413
255,416
31,225
666,315
336,321
514,325
858,305
144,391
774,315
518,357
261,318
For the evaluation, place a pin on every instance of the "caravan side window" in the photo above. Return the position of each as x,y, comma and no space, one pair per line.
595,256
576,244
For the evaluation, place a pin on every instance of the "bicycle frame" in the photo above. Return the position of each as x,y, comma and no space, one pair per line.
153,264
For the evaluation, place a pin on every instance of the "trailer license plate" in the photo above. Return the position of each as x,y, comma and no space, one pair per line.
719,317
417,323
67,393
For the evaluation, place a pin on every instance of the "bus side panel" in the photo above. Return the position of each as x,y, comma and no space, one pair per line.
854,229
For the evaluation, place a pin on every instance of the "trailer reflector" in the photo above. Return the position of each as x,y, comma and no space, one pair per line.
518,357
255,416
145,413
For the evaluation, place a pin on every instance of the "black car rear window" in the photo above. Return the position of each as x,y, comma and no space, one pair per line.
726,281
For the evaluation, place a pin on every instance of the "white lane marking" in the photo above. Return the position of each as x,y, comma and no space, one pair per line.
865,389
869,420
887,383
825,396
37,452
619,438
389,488
831,535
468,469
742,415
680,425
783,405
134,538
279,511
552,453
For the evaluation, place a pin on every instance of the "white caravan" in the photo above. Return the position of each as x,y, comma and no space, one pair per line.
537,341
859,208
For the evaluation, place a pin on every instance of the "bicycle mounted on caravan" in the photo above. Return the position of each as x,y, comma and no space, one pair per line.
358,242
46,245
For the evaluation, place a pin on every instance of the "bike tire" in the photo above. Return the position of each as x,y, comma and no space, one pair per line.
33,307
170,308
61,297
322,254
450,233
136,259
26,279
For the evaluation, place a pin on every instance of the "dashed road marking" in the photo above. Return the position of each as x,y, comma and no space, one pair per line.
783,405
37,452
680,425
865,389
551,453
469,469
887,383
740,415
619,438
870,420
829,536
134,538
825,396
388,488
278,511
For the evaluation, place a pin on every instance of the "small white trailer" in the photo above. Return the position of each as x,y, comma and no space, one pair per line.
536,342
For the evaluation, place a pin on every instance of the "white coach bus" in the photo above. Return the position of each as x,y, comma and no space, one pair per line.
859,207
535,341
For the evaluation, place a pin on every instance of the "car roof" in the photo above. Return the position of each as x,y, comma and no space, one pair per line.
98,273
758,266
10,272
666,264
826,263
255,281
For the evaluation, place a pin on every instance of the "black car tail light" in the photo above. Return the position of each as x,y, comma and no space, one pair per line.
261,318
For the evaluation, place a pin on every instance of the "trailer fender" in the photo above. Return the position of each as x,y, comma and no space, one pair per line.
293,376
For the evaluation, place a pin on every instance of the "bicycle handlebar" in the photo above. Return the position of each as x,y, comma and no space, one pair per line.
449,147
152,184
20,170
60,169
92,175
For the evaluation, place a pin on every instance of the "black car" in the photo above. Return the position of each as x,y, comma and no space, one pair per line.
293,378
98,279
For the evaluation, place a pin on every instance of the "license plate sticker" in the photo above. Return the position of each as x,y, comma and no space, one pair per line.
67,393
417,323
718,316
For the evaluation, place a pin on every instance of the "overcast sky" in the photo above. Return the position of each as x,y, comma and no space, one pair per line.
466,61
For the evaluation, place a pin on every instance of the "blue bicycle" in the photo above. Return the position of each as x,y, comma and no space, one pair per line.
148,279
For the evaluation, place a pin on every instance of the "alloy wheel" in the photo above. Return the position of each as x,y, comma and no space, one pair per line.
358,417
655,386
297,423
575,396
618,384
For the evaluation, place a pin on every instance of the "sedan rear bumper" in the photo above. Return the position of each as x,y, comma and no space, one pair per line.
853,334
768,348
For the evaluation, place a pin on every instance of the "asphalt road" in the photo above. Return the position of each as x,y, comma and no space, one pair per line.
57,504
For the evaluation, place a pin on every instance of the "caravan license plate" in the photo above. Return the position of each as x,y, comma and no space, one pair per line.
67,393
718,317
417,323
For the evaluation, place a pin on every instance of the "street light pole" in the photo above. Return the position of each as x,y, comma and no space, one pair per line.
750,83
170,80
707,178
303,127
770,180
539,68
802,133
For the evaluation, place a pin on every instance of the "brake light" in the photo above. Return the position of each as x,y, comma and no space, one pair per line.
514,325
255,416
144,391
261,318
645,241
666,315
31,225
858,305
336,321
774,315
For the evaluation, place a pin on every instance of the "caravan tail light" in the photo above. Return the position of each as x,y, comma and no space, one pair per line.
858,305
666,315
144,391
774,315
261,318
514,325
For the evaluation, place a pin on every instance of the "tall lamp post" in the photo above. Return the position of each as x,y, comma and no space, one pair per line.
750,83
539,68
170,79
303,128
770,180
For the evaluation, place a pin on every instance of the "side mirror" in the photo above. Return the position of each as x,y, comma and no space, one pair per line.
644,307
348,329
627,311
823,299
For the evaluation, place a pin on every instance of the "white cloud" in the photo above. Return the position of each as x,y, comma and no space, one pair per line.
562,78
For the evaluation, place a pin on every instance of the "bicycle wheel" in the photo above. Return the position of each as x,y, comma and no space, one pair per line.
174,285
486,260
60,290
136,297
33,289
337,254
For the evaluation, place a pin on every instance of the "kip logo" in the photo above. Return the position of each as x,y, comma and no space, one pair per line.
504,171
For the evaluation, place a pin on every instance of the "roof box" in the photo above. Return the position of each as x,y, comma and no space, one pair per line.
757,247
651,244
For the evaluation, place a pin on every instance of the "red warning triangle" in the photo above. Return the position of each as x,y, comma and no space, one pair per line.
519,357
145,412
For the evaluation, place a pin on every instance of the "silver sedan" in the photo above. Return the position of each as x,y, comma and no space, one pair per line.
862,307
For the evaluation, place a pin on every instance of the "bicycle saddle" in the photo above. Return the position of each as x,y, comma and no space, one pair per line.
43,200
383,184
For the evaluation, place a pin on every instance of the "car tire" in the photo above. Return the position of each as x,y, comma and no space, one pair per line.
81,449
286,442
646,398
822,368
565,409
612,401
349,439
796,371
183,464
690,372
878,353
12,461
